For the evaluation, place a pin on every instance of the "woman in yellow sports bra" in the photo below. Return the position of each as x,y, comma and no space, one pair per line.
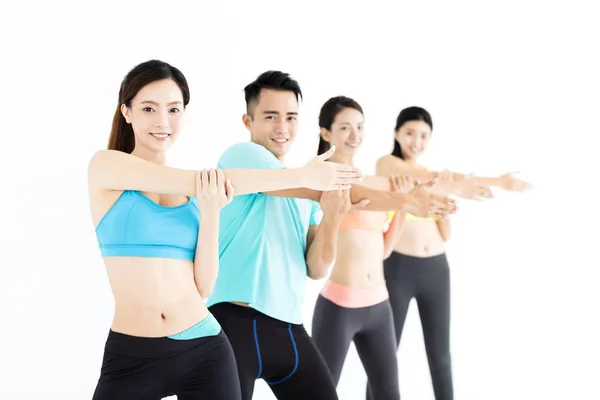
353,305
417,267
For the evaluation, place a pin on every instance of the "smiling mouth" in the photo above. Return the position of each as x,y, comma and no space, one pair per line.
353,145
280,141
160,136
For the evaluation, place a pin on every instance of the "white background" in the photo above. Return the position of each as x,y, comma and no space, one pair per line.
510,85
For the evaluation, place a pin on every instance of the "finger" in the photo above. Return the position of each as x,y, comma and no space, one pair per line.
212,178
198,183
348,174
339,186
347,181
229,190
205,182
220,177
327,154
347,168
429,184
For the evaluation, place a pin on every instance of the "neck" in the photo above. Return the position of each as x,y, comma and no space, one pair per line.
153,157
342,159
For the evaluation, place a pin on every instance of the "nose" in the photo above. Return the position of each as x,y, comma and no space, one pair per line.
353,135
162,120
281,127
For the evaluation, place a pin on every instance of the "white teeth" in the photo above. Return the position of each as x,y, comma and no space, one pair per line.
160,135
280,140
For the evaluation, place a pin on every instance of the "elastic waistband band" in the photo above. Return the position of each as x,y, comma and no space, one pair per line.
163,347
405,259
230,309
353,297
209,326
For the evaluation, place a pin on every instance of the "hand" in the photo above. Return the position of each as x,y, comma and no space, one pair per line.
401,183
322,175
510,183
421,203
213,191
336,203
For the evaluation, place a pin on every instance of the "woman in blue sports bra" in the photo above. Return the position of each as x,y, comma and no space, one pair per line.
418,267
157,230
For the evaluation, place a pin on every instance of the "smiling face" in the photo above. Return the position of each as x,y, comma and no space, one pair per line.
156,116
413,137
274,120
347,132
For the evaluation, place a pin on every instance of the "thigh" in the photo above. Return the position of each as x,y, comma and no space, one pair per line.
240,332
433,302
124,378
208,372
332,333
401,282
376,348
311,378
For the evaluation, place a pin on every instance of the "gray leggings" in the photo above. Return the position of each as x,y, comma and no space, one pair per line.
372,330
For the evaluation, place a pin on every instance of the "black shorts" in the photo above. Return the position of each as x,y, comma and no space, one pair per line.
153,368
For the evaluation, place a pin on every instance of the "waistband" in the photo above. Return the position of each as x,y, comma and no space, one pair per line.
396,257
226,309
353,297
126,345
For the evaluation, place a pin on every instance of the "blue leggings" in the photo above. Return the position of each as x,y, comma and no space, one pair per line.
281,354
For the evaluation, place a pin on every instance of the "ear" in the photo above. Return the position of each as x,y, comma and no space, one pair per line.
247,120
326,135
397,134
126,113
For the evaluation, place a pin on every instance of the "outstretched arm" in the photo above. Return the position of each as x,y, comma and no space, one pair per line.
379,200
389,165
115,170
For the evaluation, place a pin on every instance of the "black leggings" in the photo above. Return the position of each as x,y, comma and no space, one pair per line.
372,330
427,279
139,368
281,354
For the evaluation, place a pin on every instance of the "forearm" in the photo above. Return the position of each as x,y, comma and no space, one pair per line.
444,227
206,261
323,249
245,181
379,200
487,182
390,238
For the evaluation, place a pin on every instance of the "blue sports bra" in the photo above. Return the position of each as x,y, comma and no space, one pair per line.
137,226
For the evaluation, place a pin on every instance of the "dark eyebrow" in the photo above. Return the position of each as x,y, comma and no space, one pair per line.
277,112
156,104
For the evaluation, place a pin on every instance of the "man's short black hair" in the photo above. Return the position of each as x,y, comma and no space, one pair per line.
276,80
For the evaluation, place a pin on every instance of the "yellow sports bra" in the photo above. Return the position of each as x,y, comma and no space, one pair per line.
410,217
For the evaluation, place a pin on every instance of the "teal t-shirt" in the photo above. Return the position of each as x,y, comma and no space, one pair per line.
262,243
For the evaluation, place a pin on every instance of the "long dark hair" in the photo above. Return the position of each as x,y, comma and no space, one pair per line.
329,111
406,115
121,135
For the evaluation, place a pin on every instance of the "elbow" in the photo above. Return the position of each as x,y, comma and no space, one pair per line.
205,290
318,271
316,275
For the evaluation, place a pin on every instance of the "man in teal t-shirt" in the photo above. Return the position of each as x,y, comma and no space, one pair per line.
268,245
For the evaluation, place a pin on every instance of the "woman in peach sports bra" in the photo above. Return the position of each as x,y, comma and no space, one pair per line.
353,304
418,267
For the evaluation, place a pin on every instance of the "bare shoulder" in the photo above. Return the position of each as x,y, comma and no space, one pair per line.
388,165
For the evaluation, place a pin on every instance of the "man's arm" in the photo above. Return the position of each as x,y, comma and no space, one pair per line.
379,200
322,247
